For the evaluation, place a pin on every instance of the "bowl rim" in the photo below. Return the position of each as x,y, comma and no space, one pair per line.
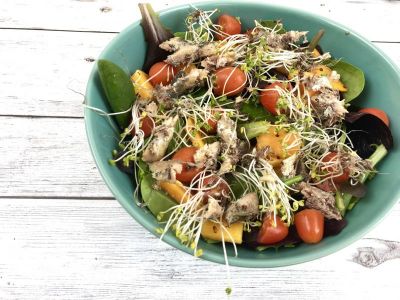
219,257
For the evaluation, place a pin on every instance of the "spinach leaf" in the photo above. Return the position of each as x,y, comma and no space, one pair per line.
237,186
143,169
157,201
352,77
272,24
256,112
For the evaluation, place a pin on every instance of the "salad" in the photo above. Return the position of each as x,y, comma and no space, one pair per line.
243,135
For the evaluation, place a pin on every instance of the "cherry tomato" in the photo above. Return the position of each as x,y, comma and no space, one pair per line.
161,73
212,125
331,157
220,189
309,225
230,81
377,113
186,155
270,96
271,232
147,125
229,26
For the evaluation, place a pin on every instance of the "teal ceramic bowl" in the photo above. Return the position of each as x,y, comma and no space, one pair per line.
381,91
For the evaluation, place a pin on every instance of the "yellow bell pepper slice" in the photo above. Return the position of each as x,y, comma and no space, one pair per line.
213,231
194,135
176,190
322,70
142,85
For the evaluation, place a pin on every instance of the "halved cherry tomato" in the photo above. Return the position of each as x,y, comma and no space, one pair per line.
377,113
272,232
212,125
186,155
161,73
229,26
332,157
230,81
147,125
309,225
221,187
270,96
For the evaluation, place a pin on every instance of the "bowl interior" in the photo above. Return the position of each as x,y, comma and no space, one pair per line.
381,91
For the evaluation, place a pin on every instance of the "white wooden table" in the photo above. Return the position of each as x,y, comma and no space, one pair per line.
63,235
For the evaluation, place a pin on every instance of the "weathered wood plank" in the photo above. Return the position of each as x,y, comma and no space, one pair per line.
47,157
76,249
109,16
40,70
35,80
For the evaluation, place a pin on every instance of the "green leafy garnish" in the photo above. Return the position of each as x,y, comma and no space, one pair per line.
352,77
256,112
273,24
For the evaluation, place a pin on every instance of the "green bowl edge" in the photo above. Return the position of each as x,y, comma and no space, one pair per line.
218,258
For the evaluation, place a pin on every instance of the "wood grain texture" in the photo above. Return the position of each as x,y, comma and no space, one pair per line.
36,81
82,249
47,157
112,16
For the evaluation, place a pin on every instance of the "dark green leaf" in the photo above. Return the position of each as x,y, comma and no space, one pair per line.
256,112
143,169
237,186
118,88
272,24
352,77
157,201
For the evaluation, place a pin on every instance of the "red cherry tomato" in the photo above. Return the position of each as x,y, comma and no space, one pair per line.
309,225
212,125
186,155
221,187
271,232
230,81
147,125
377,113
270,96
331,157
229,26
161,73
